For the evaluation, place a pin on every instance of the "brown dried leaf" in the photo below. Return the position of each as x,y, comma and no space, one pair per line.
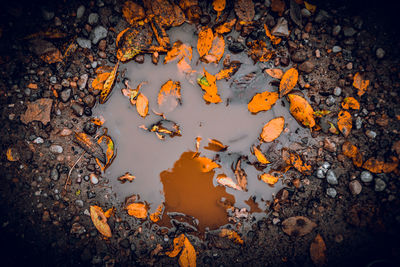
188,255
318,251
208,84
274,40
272,129
98,82
12,154
288,81
390,166
107,144
227,72
351,151
225,27
46,51
262,102
298,226
38,111
360,84
126,177
100,221
224,180
138,210
241,175
215,145
350,102
89,144
244,9
205,41
299,165
301,110
345,122
133,12
274,73
142,105
278,6
232,235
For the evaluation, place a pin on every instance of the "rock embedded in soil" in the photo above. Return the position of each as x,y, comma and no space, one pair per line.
355,187
380,185
83,81
78,109
331,177
349,31
366,177
380,53
336,49
337,91
90,128
331,192
54,175
89,100
80,11
330,100
299,56
56,149
336,30
93,18
65,95
84,43
98,33
281,28
307,66
236,47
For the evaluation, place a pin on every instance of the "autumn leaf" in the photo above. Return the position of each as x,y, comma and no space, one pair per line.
215,145
321,113
126,177
318,251
288,81
244,9
298,226
390,166
169,95
205,41
269,179
142,105
178,51
345,122
12,154
178,245
262,102
219,6
299,165
352,152
240,175
208,84
107,144
100,221
188,254
260,156
360,84
217,50
310,7
184,67
156,216
301,110
227,72
225,27
274,40
224,180
108,85
138,210
133,12
165,128
350,102
274,73
206,164
278,6
232,235
375,165
90,145
132,94
272,129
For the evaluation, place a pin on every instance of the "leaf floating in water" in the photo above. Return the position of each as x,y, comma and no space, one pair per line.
345,122
165,128
217,50
169,96
272,129
288,81
360,84
142,105
206,164
228,71
260,156
178,51
350,102
299,165
205,40
226,26
224,180
215,145
232,235
156,216
126,177
106,143
269,179
262,102
108,85
298,226
274,73
208,84
301,110
241,175
138,210
100,221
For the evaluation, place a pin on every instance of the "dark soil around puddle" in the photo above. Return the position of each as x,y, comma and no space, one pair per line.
45,218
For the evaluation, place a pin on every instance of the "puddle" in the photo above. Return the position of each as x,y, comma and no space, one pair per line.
152,160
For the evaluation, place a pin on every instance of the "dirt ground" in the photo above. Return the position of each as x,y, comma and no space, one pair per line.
45,216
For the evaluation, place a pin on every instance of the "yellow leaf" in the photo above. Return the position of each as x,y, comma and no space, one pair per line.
350,102
138,210
133,12
224,180
360,84
272,129
208,84
274,73
98,82
142,105
106,143
108,85
301,110
205,41
274,40
345,122
110,212
232,235
297,162
227,72
156,216
288,81
207,164
310,7
269,179
215,145
178,245
126,177
225,27
12,154
219,5
188,255
262,102
178,51
260,156
100,221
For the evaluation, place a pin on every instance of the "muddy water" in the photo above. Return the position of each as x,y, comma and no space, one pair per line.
145,156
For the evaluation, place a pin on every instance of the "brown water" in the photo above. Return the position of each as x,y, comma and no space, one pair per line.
145,156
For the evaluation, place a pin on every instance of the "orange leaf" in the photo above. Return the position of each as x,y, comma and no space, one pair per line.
269,179
217,49
232,235
297,162
169,95
310,7
205,40
184,67
178,51
262,102
178,245
138,210
272,129
350,102
12,154
226,73
100,221
390,166
107,144
374,165
351,151
142,105
126,177
133,12
274,40
318,251
360,84
224,180
225,27
301,110
274,73
219,5
156,216
208,84
207,164
98,82
288,82
108,85
215,145
260,156
110,212
345,122
188,255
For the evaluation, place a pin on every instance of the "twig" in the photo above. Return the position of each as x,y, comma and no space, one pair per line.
72,168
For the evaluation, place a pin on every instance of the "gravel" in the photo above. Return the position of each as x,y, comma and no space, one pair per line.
54,175
331,192
380,53
98,33
355,187
337,91
84,43
38,140
380,185
370,134
80,11
330,100
331,177
366,176
336,49
93,18
56,149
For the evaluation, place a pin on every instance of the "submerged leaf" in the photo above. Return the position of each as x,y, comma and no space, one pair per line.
156,216
126,177
208,84
288,81
301,110
169,95
318,251
241,175
262,102
217,49
215,145
224,180
345,122
206,164
272,129
350,102
232,235
138,210
227,72
178,51
142,105
100,221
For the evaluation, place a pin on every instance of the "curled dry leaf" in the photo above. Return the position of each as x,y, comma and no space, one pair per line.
108,85
269,179
100,221
350,102
244,9
274,73
142,105
178,51
232,235
206,164
89,144
299,165
288,81
260,156
345,122
352,152
272,129
262,102
133,12
205,41
107,144
225,27
224,180
126,177
156,216
274,40
240,175
216,145
318,251
298,226
138,210
301,110
360,84
169,95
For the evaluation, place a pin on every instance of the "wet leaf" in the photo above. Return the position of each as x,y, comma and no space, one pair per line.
345,122
310,7
38,111
133,12
288,81
244,9
232,235
227,72
332,128
278,6
240,175
46,51
217,49
350,102
301,110
188,255
107,144
260,156
126,177
70,50
258,51
165,128
269,178
205,41
274,73
142,105
224,180
110,212
321,113
132,94
318,251
390,166
108,85
225,27
274,40
262,102
179,16
219,6
299,165
178,51
298,226
156,216
184,67
138,210
272,129
352,152
89,144
178,246
208,84
360,84
169,95
215,145
206,164
100,221
12,154
374,165
98,82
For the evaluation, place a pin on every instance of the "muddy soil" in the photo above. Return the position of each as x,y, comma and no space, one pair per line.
49,182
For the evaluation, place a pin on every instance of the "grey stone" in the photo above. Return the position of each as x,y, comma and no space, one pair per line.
53,79
336,30
366,176
89,128
330,100
305,13
78,109
93,18
94,64
380,53
98,33
326,165
331,177
358,123
236,47
355,187
54,175
89,100
84,43
80,11
380,185
337,91
94,179
38,140
336,49
322,16
47,14
370,134
281,28
83,81
65,95
349,31
56,149
321,173
331,192
79,203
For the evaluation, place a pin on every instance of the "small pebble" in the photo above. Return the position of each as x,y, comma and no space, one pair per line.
331,192
366,176
337,91
80,11
38,140
380,185
321,173
326,165
65,132
331,177
56,149
358,123
336,49
79,203
330,100
370,134
355,187
380,53
336,30
93,18
94,179
86,178
54,175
